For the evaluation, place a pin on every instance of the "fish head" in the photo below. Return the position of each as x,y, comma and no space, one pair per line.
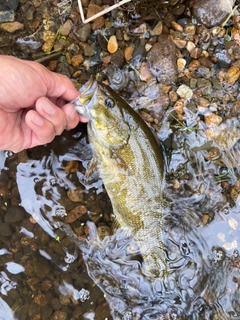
102,106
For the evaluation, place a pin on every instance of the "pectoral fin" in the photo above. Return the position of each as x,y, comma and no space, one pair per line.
92,169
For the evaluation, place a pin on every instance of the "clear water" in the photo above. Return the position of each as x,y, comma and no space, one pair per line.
48,268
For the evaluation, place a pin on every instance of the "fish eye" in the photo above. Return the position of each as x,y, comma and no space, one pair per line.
109,103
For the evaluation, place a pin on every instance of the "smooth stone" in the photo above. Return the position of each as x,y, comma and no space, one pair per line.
9,4
11,27
7,16
14,214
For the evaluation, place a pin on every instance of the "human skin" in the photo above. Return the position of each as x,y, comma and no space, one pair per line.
33,104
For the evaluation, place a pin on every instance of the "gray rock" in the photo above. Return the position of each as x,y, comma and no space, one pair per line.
66,28
210,13
84,32
162,61
6,16
205,86
9,4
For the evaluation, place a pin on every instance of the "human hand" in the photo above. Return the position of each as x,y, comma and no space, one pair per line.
33,106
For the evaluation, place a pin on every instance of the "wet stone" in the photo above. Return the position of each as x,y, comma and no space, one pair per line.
59,315
76,214
7,16
162,62
65,29
205,86
117,58
185,92
30,13
14,214
12,27
210,13
55,303
63,69
5,229
35,265
40,300
9,4
83,32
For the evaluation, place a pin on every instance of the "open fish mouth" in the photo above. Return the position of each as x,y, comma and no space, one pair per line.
87,93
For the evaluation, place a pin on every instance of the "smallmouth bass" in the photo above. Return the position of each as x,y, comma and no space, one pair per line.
130,163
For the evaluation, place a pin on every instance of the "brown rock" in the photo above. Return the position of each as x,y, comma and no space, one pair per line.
75,195
128,53
232,75
212,119
98,23
59,315
176,26
75,214
144,72
112,45
162,60
77,60
11,27
92,10
178,107
193,65
40,300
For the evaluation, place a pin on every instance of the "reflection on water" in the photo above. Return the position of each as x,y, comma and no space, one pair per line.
53,261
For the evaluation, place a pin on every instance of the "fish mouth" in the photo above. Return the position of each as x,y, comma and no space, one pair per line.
84,102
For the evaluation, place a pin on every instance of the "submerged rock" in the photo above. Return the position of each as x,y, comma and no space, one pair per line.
162,60
211,13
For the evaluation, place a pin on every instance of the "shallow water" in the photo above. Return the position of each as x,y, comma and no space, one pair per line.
50,270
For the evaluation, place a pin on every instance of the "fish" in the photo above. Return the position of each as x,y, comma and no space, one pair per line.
131,164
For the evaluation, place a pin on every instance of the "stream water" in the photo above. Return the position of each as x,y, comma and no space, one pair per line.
60,260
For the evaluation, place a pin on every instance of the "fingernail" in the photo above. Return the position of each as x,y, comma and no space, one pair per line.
36,119
72,115
49,108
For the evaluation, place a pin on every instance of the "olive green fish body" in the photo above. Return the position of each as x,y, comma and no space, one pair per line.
131,166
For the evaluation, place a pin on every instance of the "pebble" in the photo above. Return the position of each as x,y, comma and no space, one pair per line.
157,30
189,29
112,45
232,75
76,195
185,92
5,229
40,300
176,26
88,50
66,28
144,72
9,4
7,16
12,27
212,119
75,214
59,315
14,214
128,53
103,231
190,46
193,65
84,32
204,85
77,60
92,10
178,107
181,63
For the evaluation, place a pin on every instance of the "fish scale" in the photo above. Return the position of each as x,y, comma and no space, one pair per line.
130,163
